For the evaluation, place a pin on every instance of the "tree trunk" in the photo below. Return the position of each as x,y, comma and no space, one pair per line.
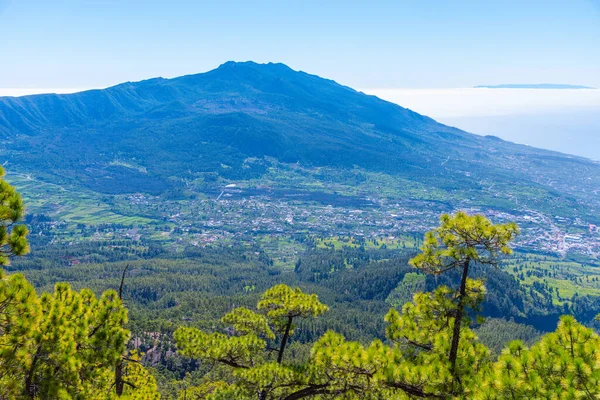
286,334
458,318
119,384
284,340
30,388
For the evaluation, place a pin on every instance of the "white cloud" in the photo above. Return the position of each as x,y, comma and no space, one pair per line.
440,103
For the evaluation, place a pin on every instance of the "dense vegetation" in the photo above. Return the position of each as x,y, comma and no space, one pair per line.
68,344
64,345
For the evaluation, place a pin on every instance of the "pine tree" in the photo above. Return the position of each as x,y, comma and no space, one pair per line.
20,311
75,345
19,306
258,371
336,368
63,345
460,241
564,364
422,335
131,380
13,236
138,382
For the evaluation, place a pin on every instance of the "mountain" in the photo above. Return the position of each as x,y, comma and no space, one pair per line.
242,119
533,86
197,123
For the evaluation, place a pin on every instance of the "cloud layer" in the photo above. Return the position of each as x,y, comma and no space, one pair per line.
440,103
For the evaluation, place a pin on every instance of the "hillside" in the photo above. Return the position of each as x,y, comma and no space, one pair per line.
275,135
191,125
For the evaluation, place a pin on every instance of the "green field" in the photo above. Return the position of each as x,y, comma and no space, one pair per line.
563,278
69,205
391,243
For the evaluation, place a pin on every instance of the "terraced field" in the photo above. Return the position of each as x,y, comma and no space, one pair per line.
64,204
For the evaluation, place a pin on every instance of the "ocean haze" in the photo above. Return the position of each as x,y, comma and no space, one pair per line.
565,120
464,102
572,131
534,86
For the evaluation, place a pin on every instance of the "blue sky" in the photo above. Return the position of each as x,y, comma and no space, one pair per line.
366,44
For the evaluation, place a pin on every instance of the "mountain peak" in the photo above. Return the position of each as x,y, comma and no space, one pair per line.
253,66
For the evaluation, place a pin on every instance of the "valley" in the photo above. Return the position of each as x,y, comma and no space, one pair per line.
290,202
290,212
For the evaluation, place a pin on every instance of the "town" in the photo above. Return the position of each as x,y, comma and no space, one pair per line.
277,222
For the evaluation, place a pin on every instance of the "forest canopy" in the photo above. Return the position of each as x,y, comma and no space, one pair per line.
73,344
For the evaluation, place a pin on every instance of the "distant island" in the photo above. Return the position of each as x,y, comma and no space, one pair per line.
533,86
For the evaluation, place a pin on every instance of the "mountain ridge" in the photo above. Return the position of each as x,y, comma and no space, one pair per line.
158,91
142,97
231,121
